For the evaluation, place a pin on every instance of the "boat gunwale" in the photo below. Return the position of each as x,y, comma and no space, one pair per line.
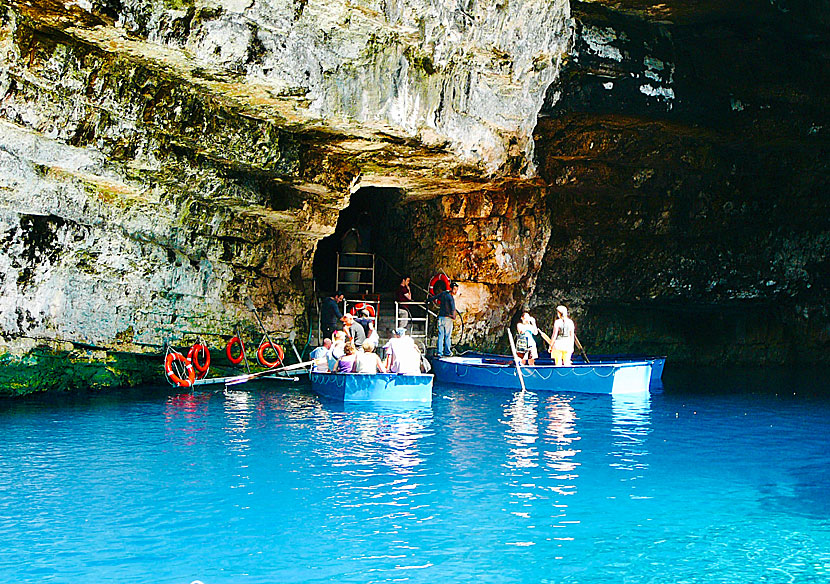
505,364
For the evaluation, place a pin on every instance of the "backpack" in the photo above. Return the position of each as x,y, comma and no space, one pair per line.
521,344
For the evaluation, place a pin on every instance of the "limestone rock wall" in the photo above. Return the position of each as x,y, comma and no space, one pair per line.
491,241
162,161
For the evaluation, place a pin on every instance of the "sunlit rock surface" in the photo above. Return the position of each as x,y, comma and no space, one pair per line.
160,162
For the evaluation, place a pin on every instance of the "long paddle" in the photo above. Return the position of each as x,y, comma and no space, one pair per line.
576,340
516,359
248,377
250,304
581,350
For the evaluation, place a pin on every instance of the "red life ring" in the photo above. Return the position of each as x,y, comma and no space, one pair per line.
260,355
231,358
193,357
438,278
173,376
362,306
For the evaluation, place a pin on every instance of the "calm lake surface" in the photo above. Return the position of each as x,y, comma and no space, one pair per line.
724,477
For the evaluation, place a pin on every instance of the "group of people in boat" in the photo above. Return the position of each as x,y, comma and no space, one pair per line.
345,352
560,343
349,348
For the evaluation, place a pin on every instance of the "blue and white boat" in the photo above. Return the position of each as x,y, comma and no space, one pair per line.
499,371
657,363
373,387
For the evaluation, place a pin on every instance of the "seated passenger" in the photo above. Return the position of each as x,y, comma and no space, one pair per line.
368,361
402,355
365,319
373,337
320,356
346,363
337,348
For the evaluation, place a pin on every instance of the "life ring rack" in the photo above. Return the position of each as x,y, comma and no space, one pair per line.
260,355
172,367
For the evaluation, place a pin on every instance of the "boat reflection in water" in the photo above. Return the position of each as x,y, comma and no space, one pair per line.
631,415
389,435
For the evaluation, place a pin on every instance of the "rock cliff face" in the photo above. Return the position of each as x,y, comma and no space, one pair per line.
661,169
161,161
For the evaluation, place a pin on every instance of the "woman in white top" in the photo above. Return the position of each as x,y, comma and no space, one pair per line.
564,331
368,361
527,328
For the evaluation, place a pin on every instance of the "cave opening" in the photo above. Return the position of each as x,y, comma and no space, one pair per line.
373,222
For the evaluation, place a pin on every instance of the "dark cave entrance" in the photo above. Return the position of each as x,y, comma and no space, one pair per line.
375,216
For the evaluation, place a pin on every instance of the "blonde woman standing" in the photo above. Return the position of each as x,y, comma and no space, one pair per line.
562,340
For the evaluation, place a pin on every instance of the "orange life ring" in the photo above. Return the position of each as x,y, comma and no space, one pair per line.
193,357
362,306
231,358
260,355
438,278
173,376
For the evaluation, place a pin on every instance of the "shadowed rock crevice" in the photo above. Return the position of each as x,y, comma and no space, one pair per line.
685,158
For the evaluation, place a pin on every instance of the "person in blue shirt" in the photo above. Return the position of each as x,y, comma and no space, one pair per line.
319,356
446,318
330,314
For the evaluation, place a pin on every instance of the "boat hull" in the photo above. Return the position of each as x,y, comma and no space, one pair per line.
499,371
373,388
657,364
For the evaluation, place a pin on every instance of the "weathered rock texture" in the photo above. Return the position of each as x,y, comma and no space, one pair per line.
160,161
687,165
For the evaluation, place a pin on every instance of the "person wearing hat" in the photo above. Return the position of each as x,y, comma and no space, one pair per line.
402,355
446,319
562,339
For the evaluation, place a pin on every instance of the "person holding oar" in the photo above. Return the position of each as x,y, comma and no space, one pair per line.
562,342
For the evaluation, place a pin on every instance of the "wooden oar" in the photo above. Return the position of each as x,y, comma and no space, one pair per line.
248,377
581,350
516,359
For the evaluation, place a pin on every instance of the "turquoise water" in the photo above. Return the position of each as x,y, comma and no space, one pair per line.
716,482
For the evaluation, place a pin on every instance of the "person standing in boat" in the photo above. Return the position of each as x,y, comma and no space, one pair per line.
368,361
330,314
354,330
562,340
446,319
526,343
